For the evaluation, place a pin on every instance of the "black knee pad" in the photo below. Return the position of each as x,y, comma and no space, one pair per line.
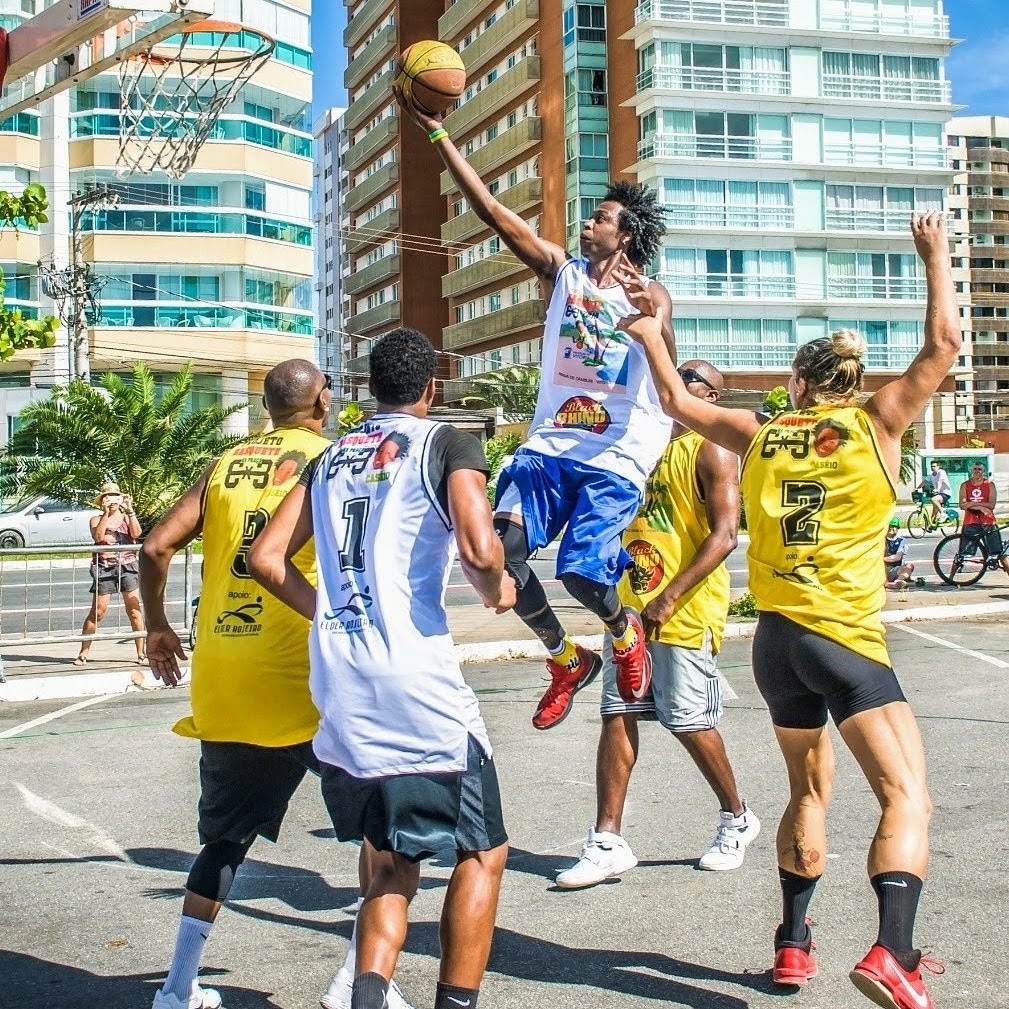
214,870
516,549
600,599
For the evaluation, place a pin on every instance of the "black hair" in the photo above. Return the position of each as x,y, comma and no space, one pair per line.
642,216
291,387
401,364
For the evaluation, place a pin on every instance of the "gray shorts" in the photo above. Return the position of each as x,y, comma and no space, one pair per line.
108,579
686,693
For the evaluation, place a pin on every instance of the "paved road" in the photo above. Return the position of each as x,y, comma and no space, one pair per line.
96,835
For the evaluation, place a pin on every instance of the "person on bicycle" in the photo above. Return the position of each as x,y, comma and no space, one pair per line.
977,499
938,488
898,571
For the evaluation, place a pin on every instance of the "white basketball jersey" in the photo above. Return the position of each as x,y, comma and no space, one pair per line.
597,402
384,675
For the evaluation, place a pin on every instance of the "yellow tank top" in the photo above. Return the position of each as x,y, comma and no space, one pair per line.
817,497
250,664
664,537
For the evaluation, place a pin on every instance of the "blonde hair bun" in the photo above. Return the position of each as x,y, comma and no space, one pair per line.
848,345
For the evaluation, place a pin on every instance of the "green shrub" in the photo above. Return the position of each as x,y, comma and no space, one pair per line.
744,606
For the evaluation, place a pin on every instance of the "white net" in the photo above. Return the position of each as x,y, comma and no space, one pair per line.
173,95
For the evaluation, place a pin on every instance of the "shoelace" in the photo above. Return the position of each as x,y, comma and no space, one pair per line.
722,840
931,964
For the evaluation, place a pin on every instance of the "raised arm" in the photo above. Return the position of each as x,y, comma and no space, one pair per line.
542,257
897,405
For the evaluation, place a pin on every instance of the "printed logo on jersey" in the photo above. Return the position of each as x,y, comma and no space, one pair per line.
592,353
648,570
368,448
800,432
828,436
394,449
255,462
288,467
802,573
656,510
352,616
583,413
242,621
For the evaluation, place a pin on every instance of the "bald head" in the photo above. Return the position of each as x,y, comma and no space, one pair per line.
291,389
709,378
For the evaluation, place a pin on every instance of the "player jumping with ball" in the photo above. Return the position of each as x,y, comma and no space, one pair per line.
597,432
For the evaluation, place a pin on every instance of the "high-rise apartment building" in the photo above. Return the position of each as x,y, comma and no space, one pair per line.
215,268
979,146
332,344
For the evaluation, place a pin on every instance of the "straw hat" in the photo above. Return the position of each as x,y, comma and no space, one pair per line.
107,488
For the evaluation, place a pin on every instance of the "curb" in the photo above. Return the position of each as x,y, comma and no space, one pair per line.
75,685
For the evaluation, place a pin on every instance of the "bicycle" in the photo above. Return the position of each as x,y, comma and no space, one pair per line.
920,521
963,558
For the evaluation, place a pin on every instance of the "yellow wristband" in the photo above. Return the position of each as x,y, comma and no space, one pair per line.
435,135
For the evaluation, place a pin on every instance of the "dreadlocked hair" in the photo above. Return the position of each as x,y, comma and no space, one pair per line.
642,216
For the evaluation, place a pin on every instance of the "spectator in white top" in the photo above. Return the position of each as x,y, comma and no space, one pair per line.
938,488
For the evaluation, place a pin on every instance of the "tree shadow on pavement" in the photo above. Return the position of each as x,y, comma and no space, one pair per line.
31,981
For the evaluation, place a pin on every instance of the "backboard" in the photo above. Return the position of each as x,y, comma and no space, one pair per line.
73,40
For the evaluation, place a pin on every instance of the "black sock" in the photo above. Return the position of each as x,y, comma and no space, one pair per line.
369,992
796,893
898,893
451,996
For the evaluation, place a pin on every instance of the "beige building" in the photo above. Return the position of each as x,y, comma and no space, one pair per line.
214,269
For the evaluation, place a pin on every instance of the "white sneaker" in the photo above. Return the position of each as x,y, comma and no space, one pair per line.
734,833
341,988
604,856
199,998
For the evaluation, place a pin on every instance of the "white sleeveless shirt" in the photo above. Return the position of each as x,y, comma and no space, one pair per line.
384,675
597,402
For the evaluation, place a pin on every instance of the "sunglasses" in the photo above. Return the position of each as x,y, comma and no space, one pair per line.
689,375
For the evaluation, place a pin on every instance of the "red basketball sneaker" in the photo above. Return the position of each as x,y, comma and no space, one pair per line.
881,979
794,963
634,664
565,682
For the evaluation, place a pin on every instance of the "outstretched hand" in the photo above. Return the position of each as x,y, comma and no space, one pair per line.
636,287
425,120
930,237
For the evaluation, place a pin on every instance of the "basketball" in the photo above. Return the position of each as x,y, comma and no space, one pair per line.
433,76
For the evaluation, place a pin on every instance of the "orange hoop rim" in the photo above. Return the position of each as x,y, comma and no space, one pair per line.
267,44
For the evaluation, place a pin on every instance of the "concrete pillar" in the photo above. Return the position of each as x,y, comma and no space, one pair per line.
235,390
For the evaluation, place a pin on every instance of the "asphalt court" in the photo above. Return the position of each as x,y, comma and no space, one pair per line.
98,831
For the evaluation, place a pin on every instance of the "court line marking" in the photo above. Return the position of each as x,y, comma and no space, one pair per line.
49,811
957,648
52,716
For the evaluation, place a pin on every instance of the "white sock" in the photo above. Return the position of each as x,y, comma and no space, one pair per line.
350,964
193,936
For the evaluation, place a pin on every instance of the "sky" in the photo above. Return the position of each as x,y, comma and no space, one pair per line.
977,66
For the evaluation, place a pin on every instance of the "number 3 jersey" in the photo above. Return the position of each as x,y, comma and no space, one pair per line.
250,665
818,498
385,677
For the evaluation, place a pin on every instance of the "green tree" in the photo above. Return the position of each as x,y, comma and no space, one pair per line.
909,457
154,448
16,331
514,389
498,449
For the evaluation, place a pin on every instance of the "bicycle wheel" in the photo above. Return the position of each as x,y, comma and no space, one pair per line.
959,561
916,524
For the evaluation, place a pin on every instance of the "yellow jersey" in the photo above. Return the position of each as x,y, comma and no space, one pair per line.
664,538
818,497
250,664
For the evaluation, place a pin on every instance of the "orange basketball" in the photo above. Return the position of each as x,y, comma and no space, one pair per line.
433,76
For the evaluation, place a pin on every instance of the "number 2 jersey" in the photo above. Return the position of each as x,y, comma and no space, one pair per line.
250,664
385,677
818,498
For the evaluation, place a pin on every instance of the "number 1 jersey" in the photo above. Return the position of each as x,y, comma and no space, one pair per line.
818,498
385,677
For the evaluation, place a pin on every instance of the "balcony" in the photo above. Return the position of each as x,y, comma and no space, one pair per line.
480,274
885,156
379,229
1000,276
725,285
504,322
147,315
758,13
375,97
505,147
372,187
451,23
876,288
721,216
509,85
758,82
168,223
916,26
380,315
491,43
767,355
363,21
887,89
873,220
356,365
696,145
519,198
379,272
371,144
369,57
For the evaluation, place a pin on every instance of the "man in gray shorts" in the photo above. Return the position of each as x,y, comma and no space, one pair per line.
678,543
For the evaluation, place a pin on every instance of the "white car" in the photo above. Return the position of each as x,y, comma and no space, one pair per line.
45,522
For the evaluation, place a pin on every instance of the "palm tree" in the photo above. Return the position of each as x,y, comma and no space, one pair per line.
514,389
155,449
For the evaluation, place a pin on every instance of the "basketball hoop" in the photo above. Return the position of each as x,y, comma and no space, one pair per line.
174,93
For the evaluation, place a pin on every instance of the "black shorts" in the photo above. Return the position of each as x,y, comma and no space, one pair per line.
802,676
245,789
419,815
975,533
107,579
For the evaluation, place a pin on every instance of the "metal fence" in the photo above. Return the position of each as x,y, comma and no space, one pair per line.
45,595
